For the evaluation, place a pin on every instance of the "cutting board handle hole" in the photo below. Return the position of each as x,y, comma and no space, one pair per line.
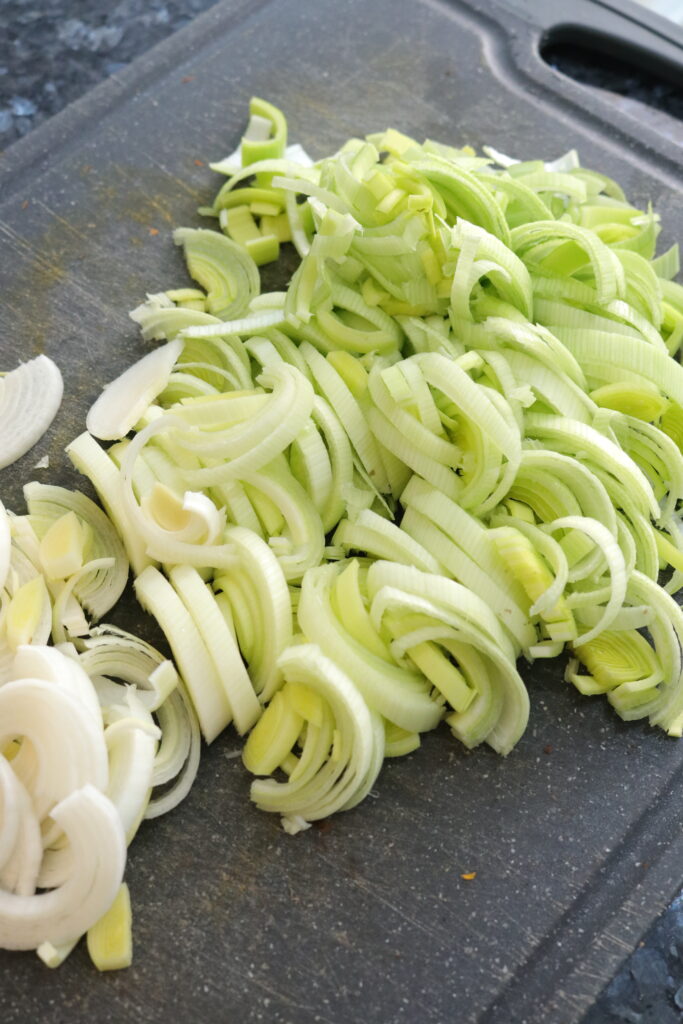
626,69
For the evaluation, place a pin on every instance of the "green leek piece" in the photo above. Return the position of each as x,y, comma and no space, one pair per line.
273,146
25,613
262,209
110,940
527,566
264,249
399,742
61,548
278,226
644,400
224,269
239,223
616,659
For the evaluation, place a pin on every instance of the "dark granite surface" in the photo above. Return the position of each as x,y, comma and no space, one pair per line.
53,51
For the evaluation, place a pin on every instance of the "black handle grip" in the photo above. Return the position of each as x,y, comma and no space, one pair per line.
626,30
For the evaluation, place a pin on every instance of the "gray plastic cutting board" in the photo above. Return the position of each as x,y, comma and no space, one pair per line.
575,837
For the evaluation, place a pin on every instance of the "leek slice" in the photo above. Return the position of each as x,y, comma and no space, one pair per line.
97,590
110,940
208,697
222,267
220,643
339,753
398,695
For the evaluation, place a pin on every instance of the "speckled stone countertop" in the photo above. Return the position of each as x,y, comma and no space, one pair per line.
53,51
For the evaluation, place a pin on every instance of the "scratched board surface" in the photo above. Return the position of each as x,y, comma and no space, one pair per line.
573,837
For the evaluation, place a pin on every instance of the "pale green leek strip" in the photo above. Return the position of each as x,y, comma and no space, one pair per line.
446,594
158,597
387,434
310,466
667,264
658,453
161,320
431,440
607,271
346,408
614,558
471,399
501,266
340,457
186,775
260,572
550,484
222,267
497,332
160,543
304,528
554,389
551,551
250,447
90,460
667,632
600,354
371,533
269,143
460,567
465,531
624,666
464,194
323,780
400,696
399,742
556,315
566,434
220,644
101,590
401,588
530,206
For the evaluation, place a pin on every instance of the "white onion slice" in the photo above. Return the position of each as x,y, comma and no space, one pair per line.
93,828
5,545
29,399
125,399
54,723
33,661
20,870
9,811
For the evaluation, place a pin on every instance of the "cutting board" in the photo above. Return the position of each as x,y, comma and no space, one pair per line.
575,837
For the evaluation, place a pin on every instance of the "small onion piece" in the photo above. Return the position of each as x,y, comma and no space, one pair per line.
29,399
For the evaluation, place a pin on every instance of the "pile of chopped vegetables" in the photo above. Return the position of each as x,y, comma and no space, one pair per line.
454,441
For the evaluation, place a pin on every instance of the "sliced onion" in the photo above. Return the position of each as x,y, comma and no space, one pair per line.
93,829
29,399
